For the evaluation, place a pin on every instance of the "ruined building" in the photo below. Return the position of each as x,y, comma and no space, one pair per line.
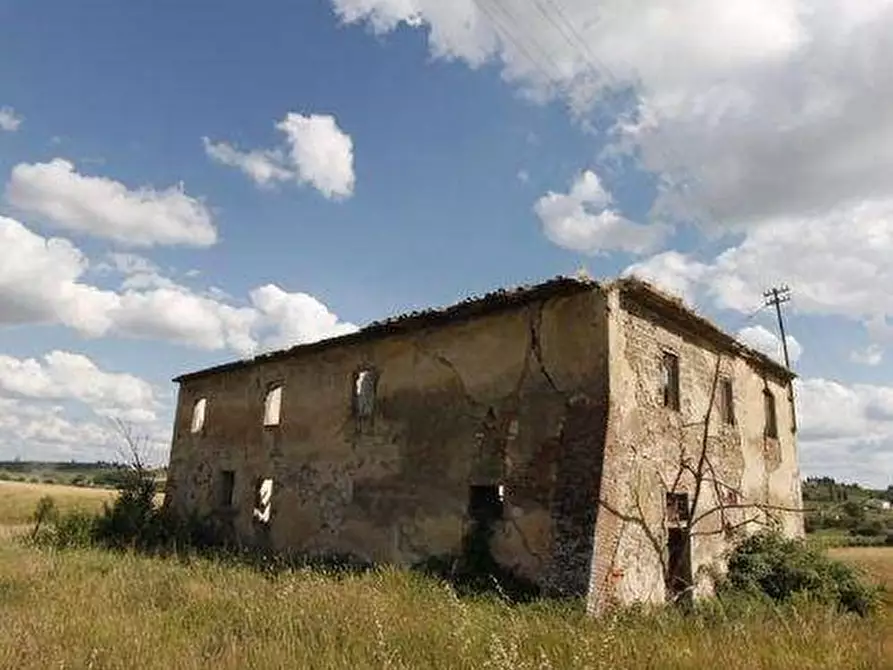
615,442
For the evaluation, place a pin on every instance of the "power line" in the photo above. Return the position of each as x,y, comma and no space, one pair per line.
599,71
503,31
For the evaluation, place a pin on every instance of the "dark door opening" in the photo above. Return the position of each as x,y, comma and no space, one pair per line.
679,577
485,504
226,488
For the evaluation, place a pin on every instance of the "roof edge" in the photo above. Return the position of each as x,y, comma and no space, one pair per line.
489,303
504,299
654,297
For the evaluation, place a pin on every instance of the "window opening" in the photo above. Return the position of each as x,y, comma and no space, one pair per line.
273,406
227,488
263,495
771,429
365,382
677,508
670,380
727,402
198,415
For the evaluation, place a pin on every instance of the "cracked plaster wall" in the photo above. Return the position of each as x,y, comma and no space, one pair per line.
516,397
651,449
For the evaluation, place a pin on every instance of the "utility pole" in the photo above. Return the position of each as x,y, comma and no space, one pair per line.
775,296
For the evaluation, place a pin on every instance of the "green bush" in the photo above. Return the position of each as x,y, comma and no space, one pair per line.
132,519
62,531
74,529
769,565
871,528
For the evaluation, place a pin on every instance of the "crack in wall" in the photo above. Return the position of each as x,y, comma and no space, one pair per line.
535,323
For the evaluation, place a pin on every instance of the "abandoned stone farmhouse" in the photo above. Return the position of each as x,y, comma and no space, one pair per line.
613,441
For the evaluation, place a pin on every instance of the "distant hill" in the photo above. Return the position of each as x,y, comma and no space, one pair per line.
99,474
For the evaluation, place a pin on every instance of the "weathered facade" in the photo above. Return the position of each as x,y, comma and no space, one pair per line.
574,417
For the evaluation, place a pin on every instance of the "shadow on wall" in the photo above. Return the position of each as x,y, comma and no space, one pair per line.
474,571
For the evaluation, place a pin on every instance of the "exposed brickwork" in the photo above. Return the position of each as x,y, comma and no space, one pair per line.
651,449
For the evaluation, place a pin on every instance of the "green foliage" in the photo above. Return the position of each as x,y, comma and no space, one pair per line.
869,528
46,511
76,529
829,540
132,520
854,509
848,508
826,489
772,566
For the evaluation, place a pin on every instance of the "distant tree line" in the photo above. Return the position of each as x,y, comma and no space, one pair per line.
99,474
827,489
849,508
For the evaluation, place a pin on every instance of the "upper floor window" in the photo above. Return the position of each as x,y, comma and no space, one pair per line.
273,406
198,415
727,401
771,427
670,380
365,382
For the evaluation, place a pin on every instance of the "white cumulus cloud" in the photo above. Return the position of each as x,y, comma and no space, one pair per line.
767,342
263,166
63,406
106,208
9,120
745,110
63,375
846,431
37,430
583,220
42,282
871,355
673,272
321,153
316,152
288,318
836,264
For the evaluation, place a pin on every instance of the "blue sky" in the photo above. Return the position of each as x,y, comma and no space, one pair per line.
220,181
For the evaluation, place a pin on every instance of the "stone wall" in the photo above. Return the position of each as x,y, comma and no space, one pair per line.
743,482
515,398
518,399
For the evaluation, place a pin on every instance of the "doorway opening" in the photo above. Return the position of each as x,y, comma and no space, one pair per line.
679,577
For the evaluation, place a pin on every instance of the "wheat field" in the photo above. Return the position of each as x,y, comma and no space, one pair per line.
19,499
98,609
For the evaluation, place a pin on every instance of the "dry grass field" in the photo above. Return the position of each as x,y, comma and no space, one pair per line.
18,499
97,609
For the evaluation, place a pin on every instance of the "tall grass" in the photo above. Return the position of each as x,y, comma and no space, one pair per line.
90,608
